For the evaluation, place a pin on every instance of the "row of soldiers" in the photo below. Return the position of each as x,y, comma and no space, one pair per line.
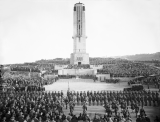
33,105
115,106
146,98
87,93
43,104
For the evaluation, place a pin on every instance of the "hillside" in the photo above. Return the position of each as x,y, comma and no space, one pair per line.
141,57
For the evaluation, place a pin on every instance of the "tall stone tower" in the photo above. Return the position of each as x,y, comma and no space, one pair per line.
79,55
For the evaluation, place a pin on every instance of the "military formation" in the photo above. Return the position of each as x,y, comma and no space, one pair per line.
29,102
143,98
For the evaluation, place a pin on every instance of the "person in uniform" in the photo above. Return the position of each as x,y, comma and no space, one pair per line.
66,101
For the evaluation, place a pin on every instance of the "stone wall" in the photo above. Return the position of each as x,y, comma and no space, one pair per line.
77,72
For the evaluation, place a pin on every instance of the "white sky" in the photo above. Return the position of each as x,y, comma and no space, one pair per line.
42,29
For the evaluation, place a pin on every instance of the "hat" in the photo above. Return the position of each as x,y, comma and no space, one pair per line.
12,117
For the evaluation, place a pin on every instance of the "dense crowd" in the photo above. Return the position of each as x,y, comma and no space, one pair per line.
48,107
130,69
82,66
57,61
26,69
27,84
33,104
23,82
104,61
114,67
155,63
88,77
33,67
153,80
13,74
145,98
112,80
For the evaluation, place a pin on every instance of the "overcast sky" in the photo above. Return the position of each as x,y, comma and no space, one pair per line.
31,30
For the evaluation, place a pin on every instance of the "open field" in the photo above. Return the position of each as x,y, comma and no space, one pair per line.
83,85
88,85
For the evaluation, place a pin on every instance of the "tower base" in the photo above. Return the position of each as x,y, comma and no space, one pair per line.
79,58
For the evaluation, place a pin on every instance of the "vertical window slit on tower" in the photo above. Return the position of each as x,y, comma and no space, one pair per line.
77,20
81,19
83,8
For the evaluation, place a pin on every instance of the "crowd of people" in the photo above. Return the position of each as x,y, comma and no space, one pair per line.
114,67
88,77
106,61
27,84
153,80
30,103
130,69
82,66
57,61
93,61
115,80
155,63
26,69
48,106
145,98
33,67
20,81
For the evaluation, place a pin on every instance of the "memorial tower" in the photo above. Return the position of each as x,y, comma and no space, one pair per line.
79,55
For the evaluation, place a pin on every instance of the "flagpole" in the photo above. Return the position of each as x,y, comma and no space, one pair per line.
30,73
68,86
